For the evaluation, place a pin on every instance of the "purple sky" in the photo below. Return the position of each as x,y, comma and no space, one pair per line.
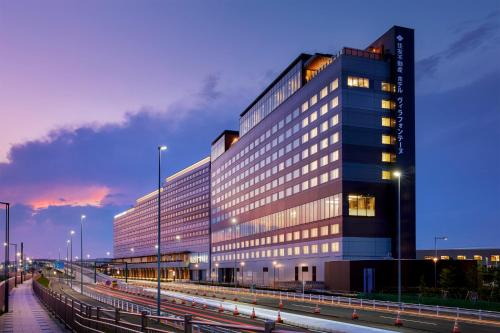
88,89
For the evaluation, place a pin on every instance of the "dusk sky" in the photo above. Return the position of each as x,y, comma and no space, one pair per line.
89,89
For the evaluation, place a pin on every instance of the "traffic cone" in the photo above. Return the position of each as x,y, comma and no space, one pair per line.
281,304
316,309
193,303
205,306
398,321
221,309
354,315
254,299
455,329
183,302
253,316
279,320
235,299
236,312
173,300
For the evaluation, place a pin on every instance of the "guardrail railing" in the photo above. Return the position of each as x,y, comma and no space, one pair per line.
124,317
437,310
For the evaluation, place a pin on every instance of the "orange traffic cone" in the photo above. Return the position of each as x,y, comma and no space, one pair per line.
193,303
254,299
398,321
316,309
455,329
183,302
354,315
173,300
253,316
205,306
281,304
236,312
221,309
235,299
279,320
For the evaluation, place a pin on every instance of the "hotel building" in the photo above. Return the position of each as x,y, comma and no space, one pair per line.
307,181
309,178
185,201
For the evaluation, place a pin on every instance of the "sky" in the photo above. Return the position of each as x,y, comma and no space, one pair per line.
88,89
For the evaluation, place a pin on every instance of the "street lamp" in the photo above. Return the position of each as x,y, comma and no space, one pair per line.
71,233
435,259
242,264
217,271
397,174
275,264
108,254
158,253
5,267
67,257
81,252
234,222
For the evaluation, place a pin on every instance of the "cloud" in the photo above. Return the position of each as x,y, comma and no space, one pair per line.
473,35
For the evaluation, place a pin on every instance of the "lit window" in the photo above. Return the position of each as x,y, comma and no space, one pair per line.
360,205
313,116
461,257
305,122
305,249
388,157
305,185
314,149
324,109
388,104
296,235
334,229
323,178
323,92
387,139
334,84
334,156
282,252
305,169
386,174
323,143
288,236
323,231
296,250
335,247
289,251
389,87
334,174
314,132
335,120
324,248
335,138
388,122
314,232
495,258
323,160
314,165
360,82
313,100
334,103
314,181
314,248
445,257
305,137
305,106
324,126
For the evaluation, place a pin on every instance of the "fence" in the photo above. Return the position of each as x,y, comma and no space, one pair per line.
83,318
11,284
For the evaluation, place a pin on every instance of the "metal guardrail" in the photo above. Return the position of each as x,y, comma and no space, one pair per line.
437,310
123,317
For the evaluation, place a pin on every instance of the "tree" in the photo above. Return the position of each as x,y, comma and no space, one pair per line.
447,278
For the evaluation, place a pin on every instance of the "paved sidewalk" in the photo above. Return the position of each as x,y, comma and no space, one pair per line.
27,314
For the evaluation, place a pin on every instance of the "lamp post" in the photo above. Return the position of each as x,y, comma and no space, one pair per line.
15,263
67,257
234,222
397,174
217,272
242,264
274,273
158,253
435,259
6,264
81,252
22,261
71,233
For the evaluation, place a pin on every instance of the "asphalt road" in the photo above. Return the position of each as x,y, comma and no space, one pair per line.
368,317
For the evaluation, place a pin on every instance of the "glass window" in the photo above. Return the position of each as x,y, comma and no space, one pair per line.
335,247
324,248
360,205
314,248
313,116
334,174
360,82
334,84
386,174
323,110
387,139
334,103
323,178
388,87
313,100
296,250
334,229
388,122
334,121
323,92
323,143
388,157
388,104
334,156
305,249
305,234
324,230
305,106
335,138
314,132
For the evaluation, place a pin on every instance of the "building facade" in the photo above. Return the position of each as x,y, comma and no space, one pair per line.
489,257
310,178
185,201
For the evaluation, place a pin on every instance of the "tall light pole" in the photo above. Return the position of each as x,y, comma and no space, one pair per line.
274,273
397,174
435,259
242,264
6,264
15,263
234,221
158,252
71,233
81,253
67,257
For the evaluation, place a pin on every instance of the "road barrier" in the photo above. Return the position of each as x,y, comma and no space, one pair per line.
126,317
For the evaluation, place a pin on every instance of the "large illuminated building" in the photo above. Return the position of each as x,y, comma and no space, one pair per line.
185,200
309,178
307,183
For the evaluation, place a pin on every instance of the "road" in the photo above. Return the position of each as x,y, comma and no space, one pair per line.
373,318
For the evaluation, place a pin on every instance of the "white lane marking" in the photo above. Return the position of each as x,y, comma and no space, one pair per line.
415,321
303,306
